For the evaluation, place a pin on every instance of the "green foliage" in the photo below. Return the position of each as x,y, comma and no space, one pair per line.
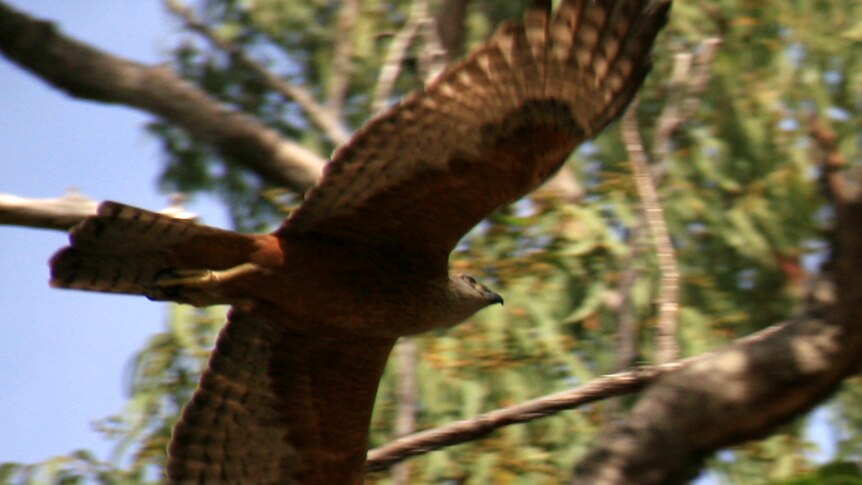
740,195
836,473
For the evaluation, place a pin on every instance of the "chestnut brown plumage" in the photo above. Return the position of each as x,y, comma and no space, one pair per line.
318,304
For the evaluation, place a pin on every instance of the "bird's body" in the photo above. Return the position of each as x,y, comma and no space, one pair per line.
303,306
319,303
340,285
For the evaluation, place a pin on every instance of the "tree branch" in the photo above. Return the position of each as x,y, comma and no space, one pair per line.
433,57
320,116
407,391
831,161
451,27
88,73
628,326
342,68
689,80
483,424
667,348
747,389
63,213
730,396
392,62
612,385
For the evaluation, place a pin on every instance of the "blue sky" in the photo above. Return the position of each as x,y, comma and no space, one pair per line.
63,354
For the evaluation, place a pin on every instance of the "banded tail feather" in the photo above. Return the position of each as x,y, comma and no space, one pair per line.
123,249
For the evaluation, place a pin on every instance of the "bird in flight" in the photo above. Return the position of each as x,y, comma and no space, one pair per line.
318,304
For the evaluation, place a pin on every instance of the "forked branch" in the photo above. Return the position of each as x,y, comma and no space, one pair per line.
86,72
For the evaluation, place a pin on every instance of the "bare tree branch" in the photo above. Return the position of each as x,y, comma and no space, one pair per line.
433,57
483,424
451,27
392,63
667,348
342,68
407,355
88,73
628,326
690,77
689,80
63,213
611,385
320,116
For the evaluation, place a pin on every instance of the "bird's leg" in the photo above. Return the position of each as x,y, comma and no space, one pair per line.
198,287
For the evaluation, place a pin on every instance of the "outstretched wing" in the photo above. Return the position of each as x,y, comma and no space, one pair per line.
488,130
278,406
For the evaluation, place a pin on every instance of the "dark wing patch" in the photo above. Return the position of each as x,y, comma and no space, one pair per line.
488,130
533,114
278,406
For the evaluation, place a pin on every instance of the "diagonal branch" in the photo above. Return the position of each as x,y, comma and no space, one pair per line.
689,80
343,53
611,385
483,424
432,58
88,73
667,348
730,396
392,62
321,117
690,77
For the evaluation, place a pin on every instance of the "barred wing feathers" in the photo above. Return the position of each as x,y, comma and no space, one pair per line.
488,130
279,406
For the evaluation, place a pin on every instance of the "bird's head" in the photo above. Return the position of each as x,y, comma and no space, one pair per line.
469,291
460,298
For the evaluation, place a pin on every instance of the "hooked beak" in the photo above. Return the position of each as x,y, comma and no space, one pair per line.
494,298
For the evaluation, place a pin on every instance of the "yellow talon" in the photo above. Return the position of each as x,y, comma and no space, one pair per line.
198,287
